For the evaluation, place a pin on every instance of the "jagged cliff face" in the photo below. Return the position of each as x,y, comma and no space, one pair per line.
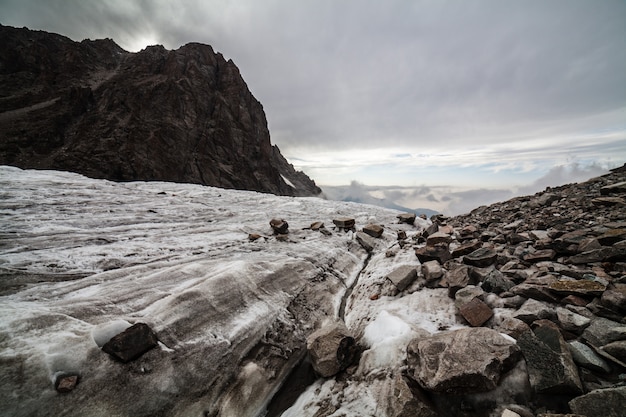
91,107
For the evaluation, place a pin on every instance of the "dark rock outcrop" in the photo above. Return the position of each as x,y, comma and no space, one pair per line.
90,107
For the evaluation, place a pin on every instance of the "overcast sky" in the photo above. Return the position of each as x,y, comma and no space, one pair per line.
478,94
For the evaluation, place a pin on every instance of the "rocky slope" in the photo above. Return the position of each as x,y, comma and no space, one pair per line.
91,107
167,299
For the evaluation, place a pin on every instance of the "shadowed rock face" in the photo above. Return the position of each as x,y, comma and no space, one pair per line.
91,107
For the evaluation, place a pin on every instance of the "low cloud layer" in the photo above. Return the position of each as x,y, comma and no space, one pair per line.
454,200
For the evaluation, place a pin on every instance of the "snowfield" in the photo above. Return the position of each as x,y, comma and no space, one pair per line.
83,259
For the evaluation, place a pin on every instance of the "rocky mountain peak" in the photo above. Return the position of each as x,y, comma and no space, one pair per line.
90,107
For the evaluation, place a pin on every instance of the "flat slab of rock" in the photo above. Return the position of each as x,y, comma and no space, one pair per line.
476,312
374,230
344,222
403,276
131,343
66,383
609,402
578,287
331,349
366,241
540,256
438,238
462,361
466,248
408,218
481,258
619,187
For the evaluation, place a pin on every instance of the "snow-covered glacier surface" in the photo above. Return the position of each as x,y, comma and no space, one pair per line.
82,259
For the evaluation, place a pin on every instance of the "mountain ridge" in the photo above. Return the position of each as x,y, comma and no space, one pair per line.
90,107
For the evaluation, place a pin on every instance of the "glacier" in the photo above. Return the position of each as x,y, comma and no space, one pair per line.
82,259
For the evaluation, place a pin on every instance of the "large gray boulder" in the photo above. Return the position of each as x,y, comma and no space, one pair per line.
331,349
609,402
461,361
551,368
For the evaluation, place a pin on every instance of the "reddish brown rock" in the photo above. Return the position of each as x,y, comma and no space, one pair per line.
476,312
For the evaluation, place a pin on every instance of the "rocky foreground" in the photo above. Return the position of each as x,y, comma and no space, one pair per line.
163,299
540,283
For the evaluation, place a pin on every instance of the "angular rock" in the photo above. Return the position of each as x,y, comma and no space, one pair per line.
602,331
550,365
432,270
467,294
513,327
537,292
466,248
571,321
406,399
440,254
540,255
605,254
401,235
476,312
609,201
533,310
581,287
615,298
403,276
462,361
611,237
66,383
279,226
254,236
496,282
331,349
344,222
608,402
584,356
481,258
366,241
408,218
317,225
457,279
616,349
619,187
131,343
438,238
433,228
374,230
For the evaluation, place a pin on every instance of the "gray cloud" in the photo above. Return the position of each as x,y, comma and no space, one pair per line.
412,75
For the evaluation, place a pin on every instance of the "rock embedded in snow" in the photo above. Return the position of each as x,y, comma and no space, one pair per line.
345,223
131,343
461,361
374,230
279,226
66,383
366,241
431,270
331,349
408,218
403,276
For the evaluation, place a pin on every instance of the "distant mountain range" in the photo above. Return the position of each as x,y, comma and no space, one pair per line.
93,108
